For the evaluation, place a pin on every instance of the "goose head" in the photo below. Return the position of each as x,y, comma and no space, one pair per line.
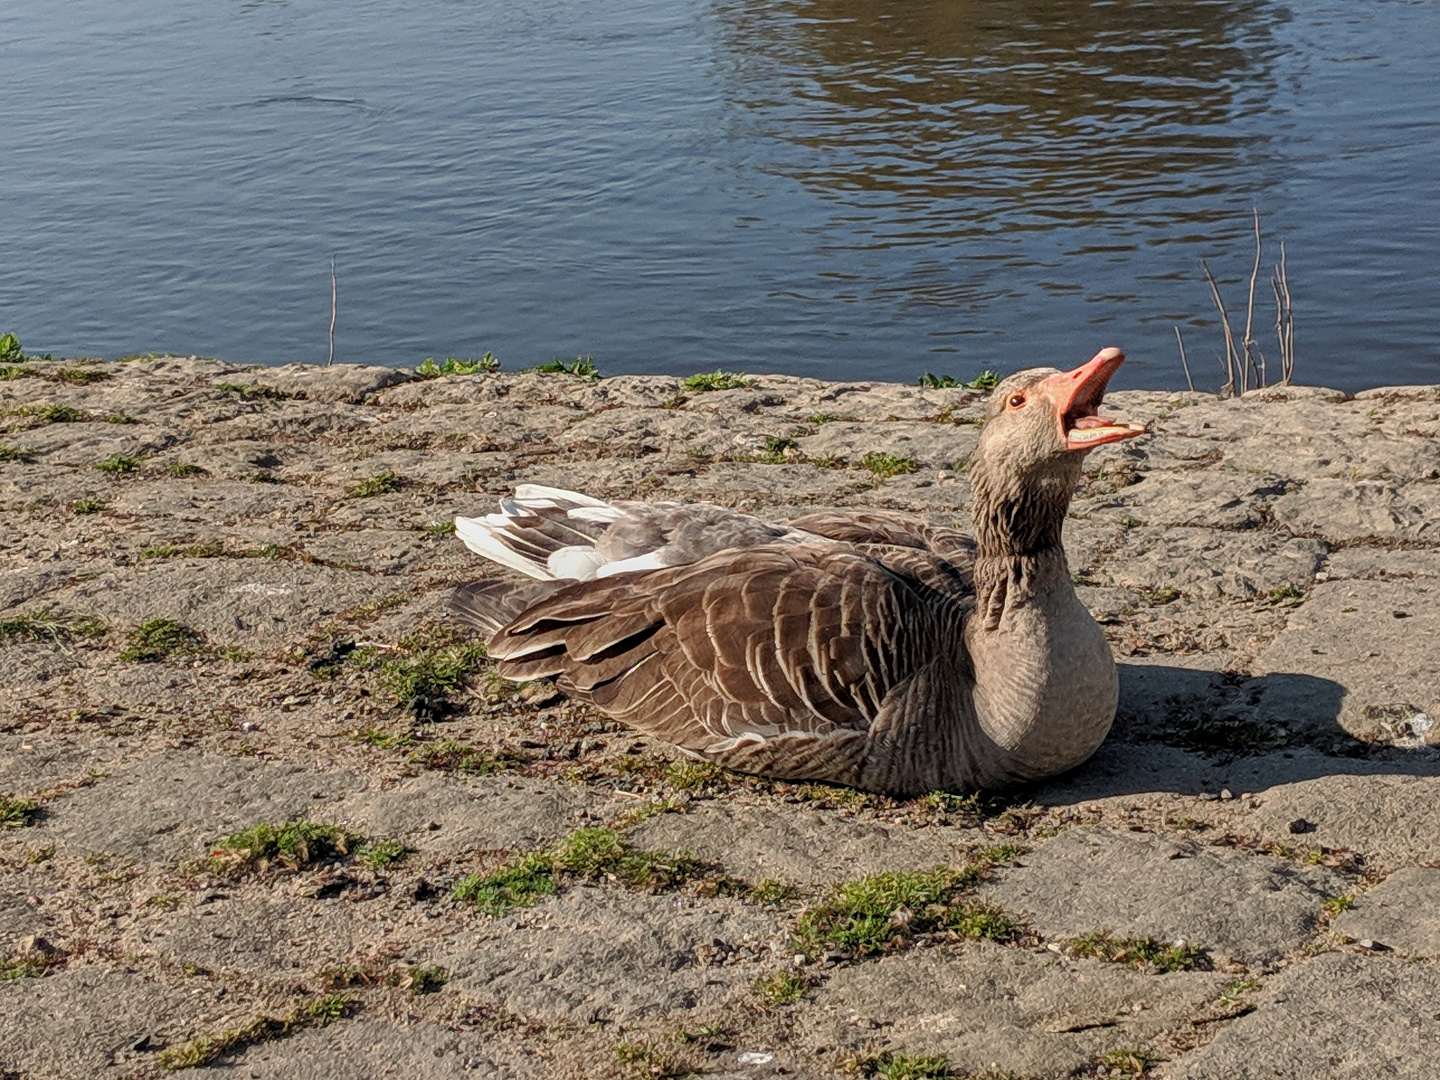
1039,424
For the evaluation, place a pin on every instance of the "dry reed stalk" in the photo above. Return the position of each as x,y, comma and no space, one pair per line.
1181,342
1284,319
331,358
1248,341
1232,359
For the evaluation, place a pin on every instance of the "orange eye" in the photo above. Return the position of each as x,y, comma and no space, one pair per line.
1016,400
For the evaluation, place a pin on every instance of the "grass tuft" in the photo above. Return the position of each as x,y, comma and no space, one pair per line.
14,453
453,365
885,465
448,755
45,624
252,391
882,912
718,380
986,380
422,680
1128,1060
120,464
782,988
292,845
209,1048
892,1066
592,854
160,639
181,469
86,506
583,366
17,813
1143,954
381,854
381,484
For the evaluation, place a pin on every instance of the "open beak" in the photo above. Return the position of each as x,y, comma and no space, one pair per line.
1077,395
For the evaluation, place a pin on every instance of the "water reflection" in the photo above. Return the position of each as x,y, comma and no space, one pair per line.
940,121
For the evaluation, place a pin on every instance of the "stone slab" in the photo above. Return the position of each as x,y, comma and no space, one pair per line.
802,846
599,954
1338,1016
1341,633
170,806
1401,913
1250,908
992,1010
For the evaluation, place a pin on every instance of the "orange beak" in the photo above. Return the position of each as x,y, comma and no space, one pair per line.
1077,395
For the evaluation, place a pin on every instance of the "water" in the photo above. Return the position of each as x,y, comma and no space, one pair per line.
840,188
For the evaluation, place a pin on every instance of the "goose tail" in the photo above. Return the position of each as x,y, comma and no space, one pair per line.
542,532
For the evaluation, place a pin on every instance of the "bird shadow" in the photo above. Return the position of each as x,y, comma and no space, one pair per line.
1188,732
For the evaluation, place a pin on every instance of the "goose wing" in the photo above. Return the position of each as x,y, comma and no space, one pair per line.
803,660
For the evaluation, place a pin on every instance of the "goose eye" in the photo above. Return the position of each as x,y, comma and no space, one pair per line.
1016,400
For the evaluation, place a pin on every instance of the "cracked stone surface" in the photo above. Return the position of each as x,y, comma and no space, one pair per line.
1276,744
1250,908
1309,1023
1400,913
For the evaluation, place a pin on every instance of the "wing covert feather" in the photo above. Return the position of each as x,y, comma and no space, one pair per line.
783,659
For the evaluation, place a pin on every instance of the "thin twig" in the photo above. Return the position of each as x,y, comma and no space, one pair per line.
1248,341
1287,339
1232,360
331,358
1181,342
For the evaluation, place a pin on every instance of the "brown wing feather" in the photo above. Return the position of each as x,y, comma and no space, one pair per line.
787,660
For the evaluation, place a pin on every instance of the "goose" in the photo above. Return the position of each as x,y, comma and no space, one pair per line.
868,648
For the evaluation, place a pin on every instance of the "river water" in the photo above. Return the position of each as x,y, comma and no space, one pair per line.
839,188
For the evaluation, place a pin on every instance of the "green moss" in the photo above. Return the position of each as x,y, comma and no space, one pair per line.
78,376
586,854
120,464
14,453
380,484
881,912
1286,594
583,366
209,1048
718,380
782,988
86,506
1143,954
452,365
1333,906
440,528
293,845
385,740
160,639
17,813
886,465
181,469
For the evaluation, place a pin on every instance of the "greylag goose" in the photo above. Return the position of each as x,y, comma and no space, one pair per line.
868,648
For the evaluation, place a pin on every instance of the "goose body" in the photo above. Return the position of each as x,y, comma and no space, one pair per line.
868,648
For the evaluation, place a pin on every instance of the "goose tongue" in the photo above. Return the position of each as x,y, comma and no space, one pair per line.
1077,395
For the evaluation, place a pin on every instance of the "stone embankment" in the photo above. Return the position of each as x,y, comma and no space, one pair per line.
222,606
